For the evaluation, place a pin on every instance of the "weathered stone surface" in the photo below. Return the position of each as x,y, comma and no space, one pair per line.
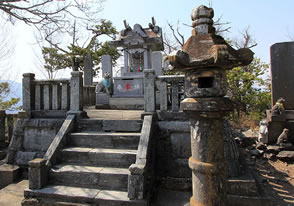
90,177
102,98
174,126
180,145
38,173
239,200
171,116
38,139
8,174
88,70
131,86
22,158
105,140
149,90
242,186
136,187
2,126
282,66
76,91
101,157
27,91
261,146
273,149
269,156
156,61
255,152
122,125
286,155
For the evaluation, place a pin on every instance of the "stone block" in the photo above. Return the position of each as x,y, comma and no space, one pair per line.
282,70
124,125
23,158
273,149
38,173
8,174
156,61
128,86
180,145
136,187
88,70
286,155
102,99
174,126
38,139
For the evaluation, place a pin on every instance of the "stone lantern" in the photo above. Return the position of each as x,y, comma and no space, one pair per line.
204,59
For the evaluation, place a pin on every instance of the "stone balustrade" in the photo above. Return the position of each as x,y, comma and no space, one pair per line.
51,94
170,87
53,97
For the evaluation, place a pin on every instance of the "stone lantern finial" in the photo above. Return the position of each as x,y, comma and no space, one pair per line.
202,20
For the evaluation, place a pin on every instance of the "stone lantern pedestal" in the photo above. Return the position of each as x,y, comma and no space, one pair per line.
207,144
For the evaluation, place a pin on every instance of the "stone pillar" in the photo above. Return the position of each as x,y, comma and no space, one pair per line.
146,58
207,146
126,62
156,61
76,91
38,174
2,126
88,70
27,91
10,125
149,90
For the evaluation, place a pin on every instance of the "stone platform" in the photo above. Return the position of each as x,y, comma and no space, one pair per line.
13,194
113,114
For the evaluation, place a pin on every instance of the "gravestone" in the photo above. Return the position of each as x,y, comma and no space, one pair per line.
282,68
88,70
282,73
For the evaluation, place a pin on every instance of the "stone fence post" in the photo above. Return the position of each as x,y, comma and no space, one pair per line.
149,90
27,91
2,126
76,94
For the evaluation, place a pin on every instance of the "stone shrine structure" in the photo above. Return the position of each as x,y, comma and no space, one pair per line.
204,59
142,50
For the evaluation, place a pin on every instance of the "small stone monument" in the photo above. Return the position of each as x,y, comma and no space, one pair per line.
204,59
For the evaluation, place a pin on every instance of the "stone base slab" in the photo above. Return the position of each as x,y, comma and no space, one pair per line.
8,174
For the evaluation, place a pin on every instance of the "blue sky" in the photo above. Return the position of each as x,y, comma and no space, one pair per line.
270,22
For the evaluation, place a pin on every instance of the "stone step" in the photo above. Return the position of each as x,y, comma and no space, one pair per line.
122,125
90,177
90,125
84,195
109,125
105,140
99,156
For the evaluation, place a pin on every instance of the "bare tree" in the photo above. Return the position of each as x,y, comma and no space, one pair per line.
51,17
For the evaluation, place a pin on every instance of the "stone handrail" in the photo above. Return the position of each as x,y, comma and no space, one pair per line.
169,87
6,126
140,170
38,168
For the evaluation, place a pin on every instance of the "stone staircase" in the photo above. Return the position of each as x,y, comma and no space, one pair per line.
93,167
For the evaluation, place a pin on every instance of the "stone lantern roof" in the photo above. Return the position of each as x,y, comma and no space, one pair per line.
205,49
140,37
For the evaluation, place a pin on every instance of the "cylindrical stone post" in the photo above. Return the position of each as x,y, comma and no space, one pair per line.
27,91
2,126
149,90
207,145
76,91
207,162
